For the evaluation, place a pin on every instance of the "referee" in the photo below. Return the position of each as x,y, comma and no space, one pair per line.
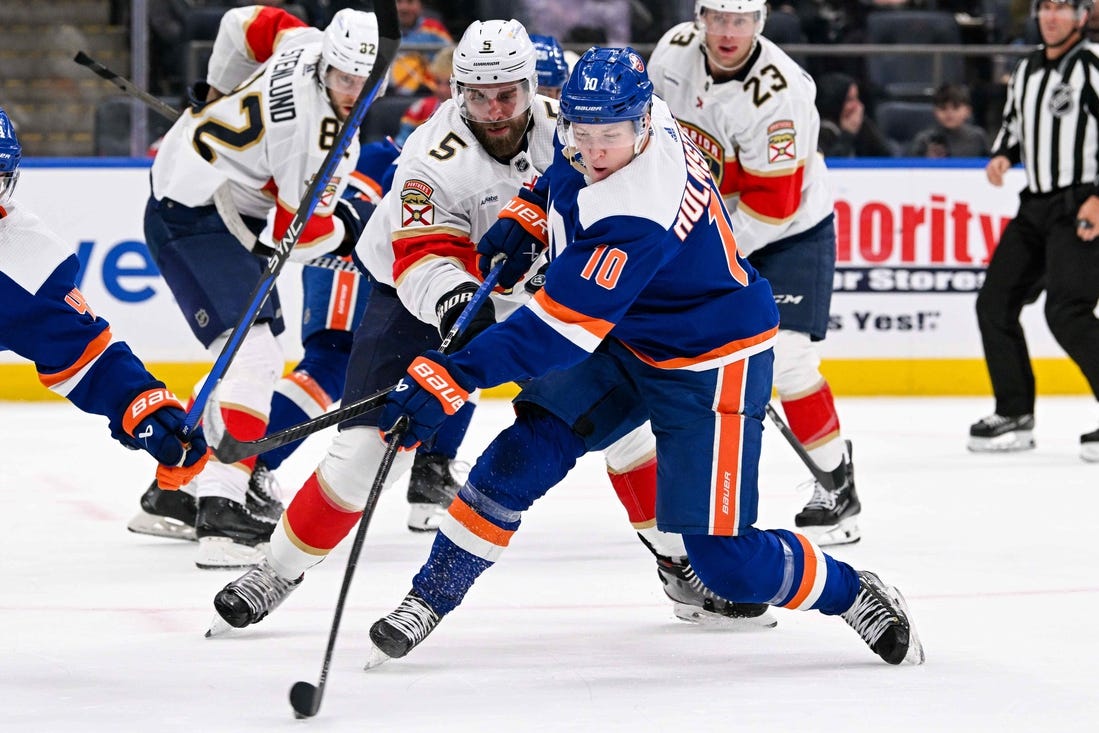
1051,125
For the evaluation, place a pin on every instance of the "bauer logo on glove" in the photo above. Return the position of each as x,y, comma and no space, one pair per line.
437,381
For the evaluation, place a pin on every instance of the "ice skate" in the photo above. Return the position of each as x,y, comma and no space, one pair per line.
1089,446
999,434
832,515
229,535
694,602
880,616
431,488
396,634
165,514
262,499
249,598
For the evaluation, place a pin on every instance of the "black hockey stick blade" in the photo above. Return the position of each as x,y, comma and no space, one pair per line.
305,698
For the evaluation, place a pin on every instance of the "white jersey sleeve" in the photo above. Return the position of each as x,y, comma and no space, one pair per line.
758,131
447,192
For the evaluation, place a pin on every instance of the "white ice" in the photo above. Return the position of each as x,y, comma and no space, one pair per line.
103,630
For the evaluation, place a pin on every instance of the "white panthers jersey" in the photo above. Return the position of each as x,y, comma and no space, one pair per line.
267,137
758,130
447,192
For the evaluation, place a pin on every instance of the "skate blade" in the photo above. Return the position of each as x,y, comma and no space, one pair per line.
702,617
157,526
218,627
846,532
375,658
425,517
1019,440
221,553
915,653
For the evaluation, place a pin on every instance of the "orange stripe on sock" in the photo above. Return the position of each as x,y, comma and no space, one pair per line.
465,515
808,573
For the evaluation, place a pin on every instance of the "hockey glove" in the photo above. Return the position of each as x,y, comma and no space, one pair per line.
354,212
519,234
451,305
154,423
430,394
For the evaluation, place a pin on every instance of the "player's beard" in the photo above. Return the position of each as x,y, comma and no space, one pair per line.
502,146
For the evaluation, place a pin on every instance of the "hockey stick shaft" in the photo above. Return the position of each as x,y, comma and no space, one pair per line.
231,450
389,39
304,697
158,106
824,477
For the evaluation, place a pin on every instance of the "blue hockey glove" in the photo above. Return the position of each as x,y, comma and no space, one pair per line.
519,234
428,396
154,423
451,305
354,212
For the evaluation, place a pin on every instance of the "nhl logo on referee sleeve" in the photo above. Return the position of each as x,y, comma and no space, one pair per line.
781,139
1061,100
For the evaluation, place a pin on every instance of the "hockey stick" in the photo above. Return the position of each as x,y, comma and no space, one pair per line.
824,477
305,698
389,39
231,450
160,107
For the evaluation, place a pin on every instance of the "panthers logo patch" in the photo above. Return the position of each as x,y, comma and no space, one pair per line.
416,205
781,142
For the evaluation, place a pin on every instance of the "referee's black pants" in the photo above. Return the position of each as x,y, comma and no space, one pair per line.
1039,242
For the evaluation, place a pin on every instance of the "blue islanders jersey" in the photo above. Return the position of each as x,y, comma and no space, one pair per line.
46,319
646,256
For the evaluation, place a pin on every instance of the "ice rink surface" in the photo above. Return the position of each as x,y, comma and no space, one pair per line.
103,630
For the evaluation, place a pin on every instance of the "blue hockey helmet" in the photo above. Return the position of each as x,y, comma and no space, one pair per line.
10,155
607,85
550,62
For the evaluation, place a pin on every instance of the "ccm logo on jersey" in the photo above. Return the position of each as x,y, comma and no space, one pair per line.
416,206
438,382
780,141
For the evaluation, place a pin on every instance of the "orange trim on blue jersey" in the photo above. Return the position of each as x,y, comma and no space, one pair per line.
262,31
368,182
719,353
465,515
720,217
598,327
340,309
312,388
91,352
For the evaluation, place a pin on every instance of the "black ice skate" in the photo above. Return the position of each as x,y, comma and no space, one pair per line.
880,616
832,515
431,488
1000,434
396,634
263,492
229,535
249,598
692,601
1089,446
165,514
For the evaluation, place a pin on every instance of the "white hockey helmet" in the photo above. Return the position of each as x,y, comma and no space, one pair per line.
494,52
732,6
350,44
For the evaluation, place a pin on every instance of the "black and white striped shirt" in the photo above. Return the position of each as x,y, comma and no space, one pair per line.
1051,119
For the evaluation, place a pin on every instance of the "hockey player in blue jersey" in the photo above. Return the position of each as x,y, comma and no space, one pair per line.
552,68
47,320
647,290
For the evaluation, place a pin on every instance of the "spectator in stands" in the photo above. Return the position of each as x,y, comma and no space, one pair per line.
601,22
409,74
845,130
953,135
419,111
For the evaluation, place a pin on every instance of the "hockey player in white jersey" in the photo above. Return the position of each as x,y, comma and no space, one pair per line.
456,174
46,319
749,109
226,184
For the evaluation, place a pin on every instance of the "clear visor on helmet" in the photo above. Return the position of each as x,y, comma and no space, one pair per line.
586,141
716,23
492,102
341,82
8,179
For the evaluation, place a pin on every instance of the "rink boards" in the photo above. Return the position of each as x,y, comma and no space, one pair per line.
913,238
